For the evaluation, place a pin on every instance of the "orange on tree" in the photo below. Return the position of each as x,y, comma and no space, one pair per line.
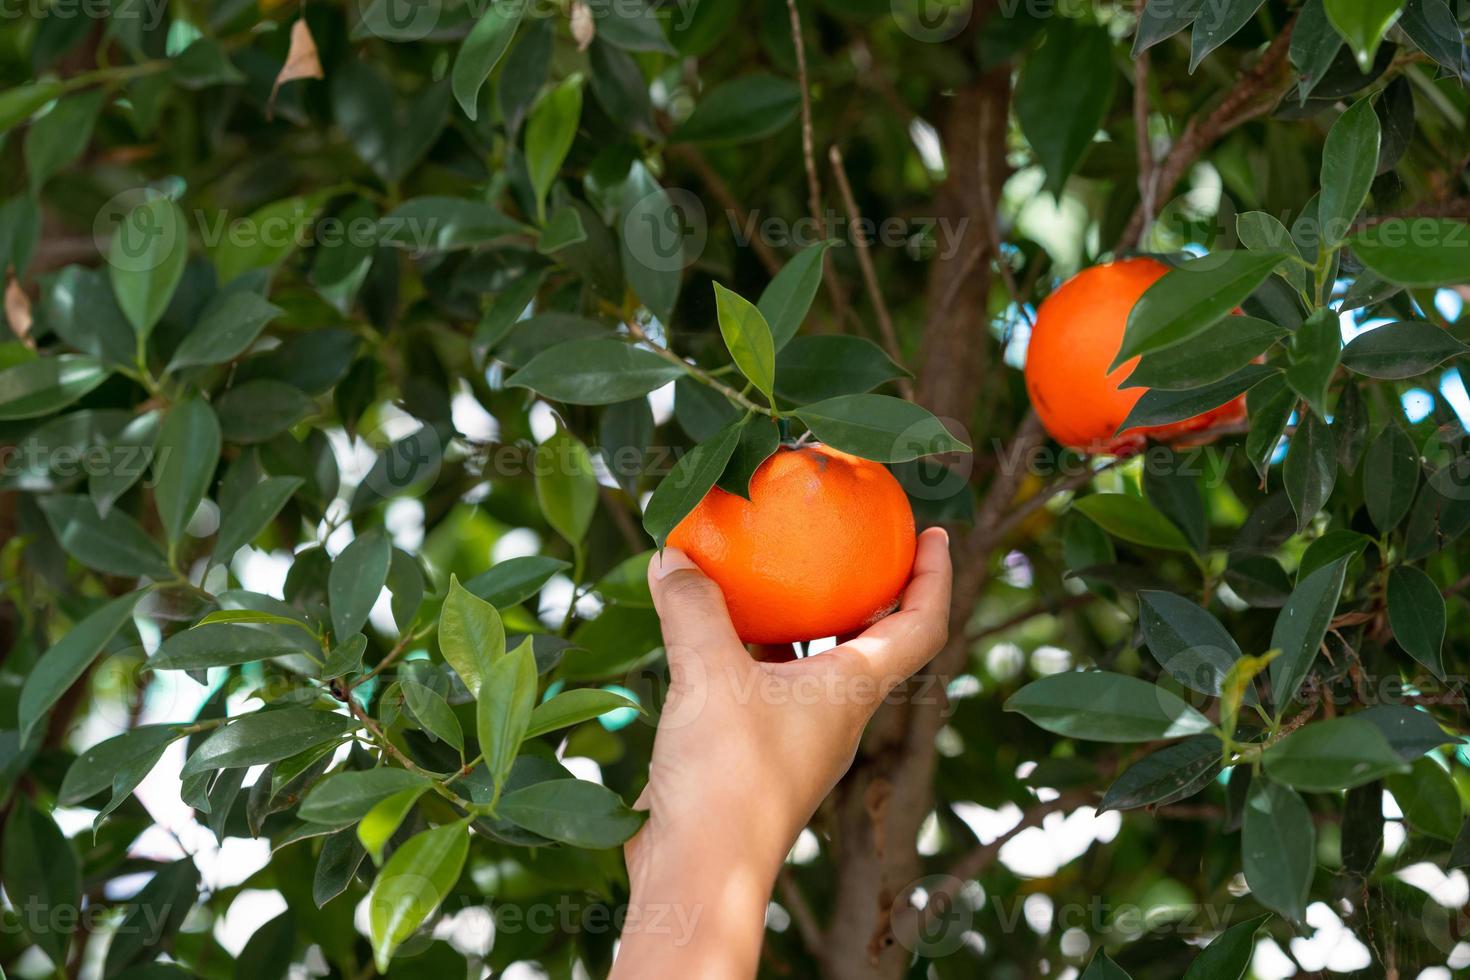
824,546
1078,331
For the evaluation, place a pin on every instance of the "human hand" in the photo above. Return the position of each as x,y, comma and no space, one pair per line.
745,752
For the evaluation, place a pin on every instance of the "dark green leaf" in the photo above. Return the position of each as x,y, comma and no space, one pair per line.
1268,406
147,256
1362,23
514,580
1335,754
65,663
1410,731
246,520
187,452
810,369
566,485
1315,351
759,439
1336,543
267,736
1104,707
1173,773
1161,407
225,644
114,544
227,326
687,483
1188,642
1229,954
1278,848
1393,462
550,129
1215,356
1349,163
574,707
93,770
443,224
1103,968
43,879
346,797
1132,519
573,811
58,138
1426,252
154,914
654,235
358,576
1428,798
1161,20
1192,298
342,854
45,384
1063,95
597,371
1217,23
411,885
1314,46
878,427
1396,351
503,709
748,108
1300,627
789,295
258,410
481,50
1311,468
1416,611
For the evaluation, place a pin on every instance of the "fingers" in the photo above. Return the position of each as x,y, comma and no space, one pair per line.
773,653
691,608
896,646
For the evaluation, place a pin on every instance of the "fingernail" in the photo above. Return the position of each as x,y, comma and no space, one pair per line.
942,532
672,560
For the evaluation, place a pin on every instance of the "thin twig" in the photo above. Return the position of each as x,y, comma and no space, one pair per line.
870,275
697,373
721,191
1140,136
1046,608
801,914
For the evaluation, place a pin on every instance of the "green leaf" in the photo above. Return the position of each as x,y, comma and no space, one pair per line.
384,819
573,811
129,452
1314,46
114,544
1229,954
1161,20
1215,356
78,304
1315,350
1162,407
336,868
1300,627
1171,483
412,885
1335,754
1410,731
154,914
1329,547
1428,798
258,410
345,658
93,770
1103,707
1393,461
1433,28
574,707
346,797
1188,642
471,636
1362,23
243,248
356,580
59,137
46,384
253,616
550,130
1187,301
1103,968
811,369
630,24
1263,232
748,338
566,485
17,104
1132,519
149,249
1311,468
267,736
1063,95
187,452
687,483
224,645
747,108
65,663
503,709
1416,611
595,371
444,224
759,439
1349,164
43,879
1427,252
563,230
228,325
653,237
788,296
245,521
1217,23
482,50
514,580
432,712
1398,351
878,427
1278,848
1173,773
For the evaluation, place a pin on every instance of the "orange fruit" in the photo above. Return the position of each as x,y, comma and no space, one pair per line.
824,546
1078,331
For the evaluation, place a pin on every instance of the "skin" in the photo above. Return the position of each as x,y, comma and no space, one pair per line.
745,752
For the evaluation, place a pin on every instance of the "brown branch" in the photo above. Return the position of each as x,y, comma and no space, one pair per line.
807,925
1254,95
984,855
870,275
1047,607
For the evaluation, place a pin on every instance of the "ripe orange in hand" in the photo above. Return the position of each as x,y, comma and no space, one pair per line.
1078,331
824,546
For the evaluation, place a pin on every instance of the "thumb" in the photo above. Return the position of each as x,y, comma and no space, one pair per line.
691,608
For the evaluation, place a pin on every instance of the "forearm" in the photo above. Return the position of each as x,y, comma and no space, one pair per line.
697,909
